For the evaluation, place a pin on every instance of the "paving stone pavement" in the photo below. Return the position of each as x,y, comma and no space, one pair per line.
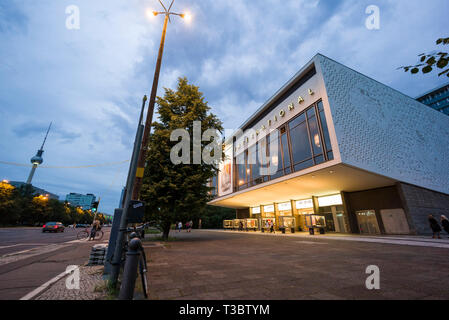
90,278
214,266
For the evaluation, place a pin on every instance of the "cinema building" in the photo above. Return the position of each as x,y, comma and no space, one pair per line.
354,156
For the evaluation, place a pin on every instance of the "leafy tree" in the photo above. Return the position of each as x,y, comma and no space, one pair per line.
177,192
8,204
213,217
429,61
23,207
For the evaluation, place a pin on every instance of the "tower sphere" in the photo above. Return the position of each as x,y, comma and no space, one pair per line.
37,160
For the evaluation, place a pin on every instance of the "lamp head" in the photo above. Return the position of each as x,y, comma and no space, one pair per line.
186,16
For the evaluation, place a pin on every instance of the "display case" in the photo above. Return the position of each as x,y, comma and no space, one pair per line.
228,224
316,222
239,224
287,224
252,224
266,222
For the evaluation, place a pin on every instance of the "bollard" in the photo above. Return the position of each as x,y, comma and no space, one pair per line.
130,270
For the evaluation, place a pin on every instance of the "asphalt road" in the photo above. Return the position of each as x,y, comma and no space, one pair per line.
29,258
18,239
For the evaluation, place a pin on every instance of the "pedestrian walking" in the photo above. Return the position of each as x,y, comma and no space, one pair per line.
436,229
241,226
179,226
190,226
445,223
272,227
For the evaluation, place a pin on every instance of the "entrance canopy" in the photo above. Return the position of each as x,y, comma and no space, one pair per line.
328,181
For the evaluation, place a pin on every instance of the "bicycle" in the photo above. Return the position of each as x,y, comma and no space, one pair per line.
84,235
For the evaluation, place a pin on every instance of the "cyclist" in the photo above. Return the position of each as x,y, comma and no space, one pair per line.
95,227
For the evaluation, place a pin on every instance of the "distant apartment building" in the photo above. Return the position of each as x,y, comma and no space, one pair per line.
84,201
437,99
36,190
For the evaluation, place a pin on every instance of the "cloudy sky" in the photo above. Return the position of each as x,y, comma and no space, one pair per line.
90,81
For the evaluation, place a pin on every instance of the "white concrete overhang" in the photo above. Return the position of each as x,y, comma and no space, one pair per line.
326,179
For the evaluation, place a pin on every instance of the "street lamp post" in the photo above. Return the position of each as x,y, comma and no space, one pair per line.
136,171
143,148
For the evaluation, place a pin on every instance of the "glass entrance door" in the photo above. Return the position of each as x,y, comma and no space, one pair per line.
368,222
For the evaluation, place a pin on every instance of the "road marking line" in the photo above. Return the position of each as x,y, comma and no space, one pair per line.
47,284
310,242
24,244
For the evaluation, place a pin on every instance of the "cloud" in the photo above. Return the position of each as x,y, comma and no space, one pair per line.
90,82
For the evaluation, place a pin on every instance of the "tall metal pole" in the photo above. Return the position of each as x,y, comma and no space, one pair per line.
143,148
117,257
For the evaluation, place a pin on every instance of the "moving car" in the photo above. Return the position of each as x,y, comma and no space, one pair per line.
53,227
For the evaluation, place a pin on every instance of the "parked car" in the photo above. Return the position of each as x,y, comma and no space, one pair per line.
53,227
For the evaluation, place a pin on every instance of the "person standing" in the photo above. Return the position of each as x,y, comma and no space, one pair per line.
179,226
190,226
436,229
445,223
272,227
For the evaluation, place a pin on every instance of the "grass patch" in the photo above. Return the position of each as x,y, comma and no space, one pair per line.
152,231
108,290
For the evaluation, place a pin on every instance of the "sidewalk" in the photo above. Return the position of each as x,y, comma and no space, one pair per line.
217,265
419,241
91,287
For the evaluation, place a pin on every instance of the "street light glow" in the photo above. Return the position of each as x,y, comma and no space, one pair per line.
151,13
187,17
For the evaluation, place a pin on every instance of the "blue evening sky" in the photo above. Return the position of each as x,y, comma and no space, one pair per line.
90,81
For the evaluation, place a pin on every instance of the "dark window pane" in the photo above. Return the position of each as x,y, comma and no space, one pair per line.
277,160
285,150
247,167
288,170
319,159
241,176
310,112
320,106
298,120
278,174
304,165
300,143
330,155
327,139
315,136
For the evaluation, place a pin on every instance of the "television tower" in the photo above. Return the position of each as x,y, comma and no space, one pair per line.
37,159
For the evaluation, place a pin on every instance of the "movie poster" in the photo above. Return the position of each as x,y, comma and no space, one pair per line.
225,175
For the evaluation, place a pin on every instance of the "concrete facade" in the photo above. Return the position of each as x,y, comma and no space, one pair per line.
387,148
